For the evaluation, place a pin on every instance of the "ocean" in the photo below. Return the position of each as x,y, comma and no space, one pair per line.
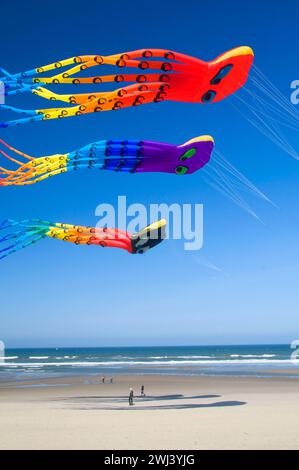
254,360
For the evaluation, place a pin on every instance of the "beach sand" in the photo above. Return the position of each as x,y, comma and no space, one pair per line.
177,413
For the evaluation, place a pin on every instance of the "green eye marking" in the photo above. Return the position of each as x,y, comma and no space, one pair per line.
181,170
188,154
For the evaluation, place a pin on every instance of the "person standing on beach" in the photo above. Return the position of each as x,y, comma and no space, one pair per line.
111,380
103,379
131,397
142,391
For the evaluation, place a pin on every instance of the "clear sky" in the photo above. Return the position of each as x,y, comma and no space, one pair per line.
57,294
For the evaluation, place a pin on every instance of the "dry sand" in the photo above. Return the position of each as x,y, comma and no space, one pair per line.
177,413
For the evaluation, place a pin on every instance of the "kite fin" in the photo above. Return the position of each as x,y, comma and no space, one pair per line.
149,237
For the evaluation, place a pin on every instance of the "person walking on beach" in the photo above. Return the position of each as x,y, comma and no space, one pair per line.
103,380
142,391
111,380
131,397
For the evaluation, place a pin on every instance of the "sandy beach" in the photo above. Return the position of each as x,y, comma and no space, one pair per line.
177,413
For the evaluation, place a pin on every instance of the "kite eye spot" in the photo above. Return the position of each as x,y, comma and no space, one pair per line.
139,100
143,65
121,63
164,78
141,78
181,170
122,92
117,105
98,59
166,67
119,78
169,56
143,88
188,154
208,96
147,54
221,74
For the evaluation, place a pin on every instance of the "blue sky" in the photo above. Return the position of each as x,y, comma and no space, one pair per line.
55,294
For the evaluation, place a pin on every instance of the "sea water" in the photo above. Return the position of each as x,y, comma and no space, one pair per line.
256,360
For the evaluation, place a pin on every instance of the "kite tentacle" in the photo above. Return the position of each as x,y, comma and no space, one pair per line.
98,79
120,156
80,98
98,60
16,150
31,231
45,68
189,80
121,61
128,97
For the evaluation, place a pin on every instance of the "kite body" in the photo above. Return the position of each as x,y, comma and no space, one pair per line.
19,235
120,156
159,75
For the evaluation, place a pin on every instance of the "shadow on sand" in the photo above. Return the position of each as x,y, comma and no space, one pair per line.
123,398
144,403
186,406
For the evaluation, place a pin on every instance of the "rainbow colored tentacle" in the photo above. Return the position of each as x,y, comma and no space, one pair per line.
131,156
30,231
23,234
176,77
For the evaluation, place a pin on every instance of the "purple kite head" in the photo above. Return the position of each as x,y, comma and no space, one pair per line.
179,159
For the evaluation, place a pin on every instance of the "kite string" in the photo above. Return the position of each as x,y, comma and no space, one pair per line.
268,110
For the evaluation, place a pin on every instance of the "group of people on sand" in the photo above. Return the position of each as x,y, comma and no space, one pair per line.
131,392
131,395
104,380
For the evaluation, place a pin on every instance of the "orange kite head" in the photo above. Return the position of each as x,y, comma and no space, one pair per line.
224,75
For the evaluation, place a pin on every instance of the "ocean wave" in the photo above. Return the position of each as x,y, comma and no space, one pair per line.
140,358
195,357
253,355
10,357
150,363
180,357
38,357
